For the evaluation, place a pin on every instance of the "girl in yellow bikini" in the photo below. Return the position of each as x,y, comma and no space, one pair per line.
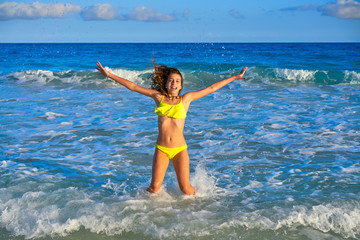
167,84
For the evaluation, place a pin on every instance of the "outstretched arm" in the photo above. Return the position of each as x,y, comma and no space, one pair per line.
126,83
213,87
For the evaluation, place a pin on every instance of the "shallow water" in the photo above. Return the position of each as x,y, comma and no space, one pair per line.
273,157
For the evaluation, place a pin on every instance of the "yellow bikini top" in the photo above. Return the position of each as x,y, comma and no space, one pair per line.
173,111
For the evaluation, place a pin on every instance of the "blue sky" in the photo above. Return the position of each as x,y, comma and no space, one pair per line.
180,21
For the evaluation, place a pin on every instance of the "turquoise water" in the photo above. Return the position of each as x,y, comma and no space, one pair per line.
273,157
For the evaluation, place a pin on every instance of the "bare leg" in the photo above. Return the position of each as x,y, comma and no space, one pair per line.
182,168
160,164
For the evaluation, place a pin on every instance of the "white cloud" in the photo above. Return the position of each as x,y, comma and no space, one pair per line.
108,12
101,12
35,10
148,15
339,9
14,10
305,7
342,9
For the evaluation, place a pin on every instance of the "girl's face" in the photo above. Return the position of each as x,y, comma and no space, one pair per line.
173,84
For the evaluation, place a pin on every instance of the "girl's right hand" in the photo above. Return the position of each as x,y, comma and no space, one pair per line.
102,70
240,76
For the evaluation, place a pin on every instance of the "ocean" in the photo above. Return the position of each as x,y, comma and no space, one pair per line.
275,156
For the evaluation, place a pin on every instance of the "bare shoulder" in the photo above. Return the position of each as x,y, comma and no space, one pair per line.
157,98
187,98
191,96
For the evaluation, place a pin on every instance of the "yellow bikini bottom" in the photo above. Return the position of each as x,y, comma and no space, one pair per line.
171,152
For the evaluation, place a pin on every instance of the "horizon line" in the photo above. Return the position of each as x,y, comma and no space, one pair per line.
178,42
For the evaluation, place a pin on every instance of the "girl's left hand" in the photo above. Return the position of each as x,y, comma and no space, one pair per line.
102,70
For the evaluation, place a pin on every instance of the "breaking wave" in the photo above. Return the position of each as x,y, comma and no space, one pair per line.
90,79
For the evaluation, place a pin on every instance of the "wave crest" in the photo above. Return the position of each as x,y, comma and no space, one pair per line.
193,79
76,79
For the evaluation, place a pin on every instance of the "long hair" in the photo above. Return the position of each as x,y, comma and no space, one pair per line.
160,77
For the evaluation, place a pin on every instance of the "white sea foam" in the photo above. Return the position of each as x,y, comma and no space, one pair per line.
39,76
295,75
87,139
3,164
352,169
193,78
117,188
343,220
253,185
66,123
77,78
52,115
132,75
352,77
204,183
43,77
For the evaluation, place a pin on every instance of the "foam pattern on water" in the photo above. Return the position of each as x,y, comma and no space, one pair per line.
266,158
272,157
